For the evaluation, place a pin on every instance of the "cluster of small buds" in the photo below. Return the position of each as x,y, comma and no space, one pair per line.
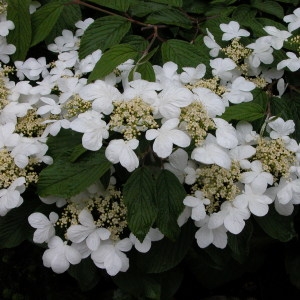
3,6
295,41
275,157
132,117
4,91
212,84
69,215
76,106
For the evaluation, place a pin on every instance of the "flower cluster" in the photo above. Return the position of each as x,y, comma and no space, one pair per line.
228,170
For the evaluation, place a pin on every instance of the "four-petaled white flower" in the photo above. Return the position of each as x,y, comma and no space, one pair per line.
278,36
210,43
232,30
292,63
293,20
167,136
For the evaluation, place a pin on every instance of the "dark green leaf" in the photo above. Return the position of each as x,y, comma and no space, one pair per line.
177,3
147,72
281,107
136,41
18,13
169,16
77,151
102,34
277,226
66,179
270,7
44,20
142,8
121,5
139,197
169,196
244,111
112,58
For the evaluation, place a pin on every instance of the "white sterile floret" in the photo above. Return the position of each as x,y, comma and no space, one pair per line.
241,153
87,64
43,87
11,197
232,30
7,136
87,231
239,91
292,63
206,236
59,256
60,70
5,25
245,133
278,36
92,126
211,153
34,5
192,75
6,50
153,235
167,136
12,111
293,20
120,151
171,99
210,43
223,68
258,203
197,204
55,126
66,42
44,226
110,256
82,26
59,202
69,58
21,90
225,134
167,74
69,86
281,129
49,105
102,95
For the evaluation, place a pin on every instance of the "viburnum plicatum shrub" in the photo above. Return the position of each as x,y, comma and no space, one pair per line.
134,128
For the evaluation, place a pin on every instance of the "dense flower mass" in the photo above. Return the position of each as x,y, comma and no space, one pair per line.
228,171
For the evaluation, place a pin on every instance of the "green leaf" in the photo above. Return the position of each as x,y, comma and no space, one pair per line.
270,7
142,8
277,226
18,13
120,5
112,58
281,107
177,3
169,16
139,192
102,34
147,72
14,226
182,53
44,20
136,41
66,179
169,196
78,150
165,254
246,111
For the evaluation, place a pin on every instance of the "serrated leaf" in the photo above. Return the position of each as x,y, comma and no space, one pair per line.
146,71
139,197
44,20
66,179
182,53
77,151
281,107
277,226
169,16
136,41
177,3
270,7
169,196
112,58
102,34
142,8
244,111
120,5
18,13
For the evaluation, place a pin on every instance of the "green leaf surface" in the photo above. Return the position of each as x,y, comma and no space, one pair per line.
142,8
20,37
120,5
169,196
277,226
182,53
65,179
136,41
244,111
270,7
139,197
146,71
44,20
177,3
102,34
112,58
169,16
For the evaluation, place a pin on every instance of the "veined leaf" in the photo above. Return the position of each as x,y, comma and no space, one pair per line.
102,34
270,7
147,72
139,197
136,41
112,58
177,3
244,111
142,8
18,13
169,196
120,5
66,179
44,19
169,16
182,53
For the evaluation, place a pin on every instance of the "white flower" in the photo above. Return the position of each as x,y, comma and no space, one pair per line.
32,68
59,256
87,64
44,226
223,68
82,26
6,50
54,126
120,151
5,25
167,74
69,86
167,136
281,129
51,106
7,136
12,111
197,204
110,256
152,236
59,202
232,30
210,43
293,20
94,129
192,75
87,231
240,153
245,133
293,63
278,36
66,42
225,134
